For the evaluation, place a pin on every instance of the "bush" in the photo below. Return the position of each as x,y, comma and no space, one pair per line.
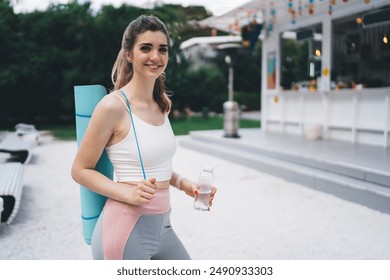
206,87
250,99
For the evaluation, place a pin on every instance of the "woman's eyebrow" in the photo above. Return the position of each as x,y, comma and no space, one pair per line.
151,45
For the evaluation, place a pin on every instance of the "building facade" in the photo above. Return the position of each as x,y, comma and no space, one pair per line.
336,85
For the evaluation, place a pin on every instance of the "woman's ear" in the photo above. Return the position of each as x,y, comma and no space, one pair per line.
129,57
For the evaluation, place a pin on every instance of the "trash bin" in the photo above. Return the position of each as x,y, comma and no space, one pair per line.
231,119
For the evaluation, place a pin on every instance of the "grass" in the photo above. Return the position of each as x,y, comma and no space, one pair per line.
180,126
184,126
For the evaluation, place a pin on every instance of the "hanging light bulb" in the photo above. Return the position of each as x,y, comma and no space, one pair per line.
385,39
318,52
359,20
330,11
311,7
293,21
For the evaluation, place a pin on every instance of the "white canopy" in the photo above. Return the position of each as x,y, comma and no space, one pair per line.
233,20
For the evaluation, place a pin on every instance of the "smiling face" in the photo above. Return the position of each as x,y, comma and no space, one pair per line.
150,54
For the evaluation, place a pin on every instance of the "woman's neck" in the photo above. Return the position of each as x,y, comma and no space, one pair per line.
140,90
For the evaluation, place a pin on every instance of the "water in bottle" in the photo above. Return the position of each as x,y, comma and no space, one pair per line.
205,183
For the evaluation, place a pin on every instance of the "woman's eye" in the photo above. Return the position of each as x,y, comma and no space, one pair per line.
163,50
145,48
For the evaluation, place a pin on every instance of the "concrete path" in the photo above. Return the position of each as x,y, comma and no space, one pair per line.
255,215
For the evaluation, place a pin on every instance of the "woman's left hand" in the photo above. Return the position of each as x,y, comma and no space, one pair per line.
191,189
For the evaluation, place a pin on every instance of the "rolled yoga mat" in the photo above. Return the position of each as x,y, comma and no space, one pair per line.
86,99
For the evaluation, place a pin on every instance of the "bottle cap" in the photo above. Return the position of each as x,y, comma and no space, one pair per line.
208,168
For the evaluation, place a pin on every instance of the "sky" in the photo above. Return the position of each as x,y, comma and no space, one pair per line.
217,7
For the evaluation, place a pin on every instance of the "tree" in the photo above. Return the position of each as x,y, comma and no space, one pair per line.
55,44
9,33
44,54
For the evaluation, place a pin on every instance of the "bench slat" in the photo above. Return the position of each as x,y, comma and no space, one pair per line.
11,184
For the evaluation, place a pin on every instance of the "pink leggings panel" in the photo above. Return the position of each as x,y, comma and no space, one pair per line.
120,218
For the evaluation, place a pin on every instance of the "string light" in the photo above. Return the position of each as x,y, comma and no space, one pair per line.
311,7
273,17
273,12
330,11
291,10
290,5
300,9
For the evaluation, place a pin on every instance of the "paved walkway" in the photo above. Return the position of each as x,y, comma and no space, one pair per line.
255,215
367,156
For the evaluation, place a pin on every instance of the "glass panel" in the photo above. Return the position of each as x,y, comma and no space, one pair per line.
301,58
361,54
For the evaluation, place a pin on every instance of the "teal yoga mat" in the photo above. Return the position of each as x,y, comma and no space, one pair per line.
86,98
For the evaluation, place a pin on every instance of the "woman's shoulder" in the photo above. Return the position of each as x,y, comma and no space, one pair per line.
110,104
110,101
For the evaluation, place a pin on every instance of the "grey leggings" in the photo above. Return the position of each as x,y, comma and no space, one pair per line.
121,232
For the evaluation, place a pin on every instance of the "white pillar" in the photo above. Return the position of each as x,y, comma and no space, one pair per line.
387,118
326,56
270,46
326,68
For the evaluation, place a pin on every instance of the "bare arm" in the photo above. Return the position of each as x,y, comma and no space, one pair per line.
102,126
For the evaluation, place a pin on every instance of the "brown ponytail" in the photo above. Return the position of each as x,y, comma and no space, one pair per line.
122,71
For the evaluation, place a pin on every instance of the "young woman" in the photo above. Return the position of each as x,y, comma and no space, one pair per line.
134,223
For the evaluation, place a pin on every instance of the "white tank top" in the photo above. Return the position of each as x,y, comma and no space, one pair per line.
157,145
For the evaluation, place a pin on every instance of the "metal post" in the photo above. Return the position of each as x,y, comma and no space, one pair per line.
230,86
230,107
231,110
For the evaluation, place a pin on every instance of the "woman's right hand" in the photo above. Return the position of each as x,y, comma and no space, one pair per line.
140,193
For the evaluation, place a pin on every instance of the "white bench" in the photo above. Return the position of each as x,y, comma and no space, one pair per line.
11,187
1,207
17,147
27,132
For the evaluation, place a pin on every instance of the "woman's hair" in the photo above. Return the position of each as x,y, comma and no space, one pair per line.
122,71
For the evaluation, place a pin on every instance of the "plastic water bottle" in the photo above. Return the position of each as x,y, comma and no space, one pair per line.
205,183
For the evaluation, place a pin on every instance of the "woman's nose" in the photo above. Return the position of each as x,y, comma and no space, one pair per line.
154,55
